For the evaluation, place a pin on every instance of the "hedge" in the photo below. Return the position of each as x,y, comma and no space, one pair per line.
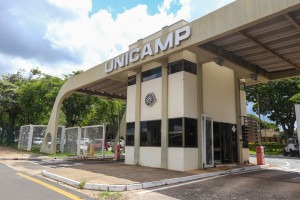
268,147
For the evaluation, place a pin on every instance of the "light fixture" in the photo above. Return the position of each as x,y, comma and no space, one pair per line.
220,61
253,77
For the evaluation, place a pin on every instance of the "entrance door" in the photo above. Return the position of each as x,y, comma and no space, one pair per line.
208,144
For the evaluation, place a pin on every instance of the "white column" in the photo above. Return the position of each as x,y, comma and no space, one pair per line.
164,117
137,129
200,112
238,118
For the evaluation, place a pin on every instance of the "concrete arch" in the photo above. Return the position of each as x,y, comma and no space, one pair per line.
70,86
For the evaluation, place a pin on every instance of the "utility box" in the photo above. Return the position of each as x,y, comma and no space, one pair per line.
260,155
92,149
117,152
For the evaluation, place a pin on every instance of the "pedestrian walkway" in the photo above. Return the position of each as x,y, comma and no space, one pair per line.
110,175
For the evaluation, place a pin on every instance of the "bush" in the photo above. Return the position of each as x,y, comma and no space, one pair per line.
268,146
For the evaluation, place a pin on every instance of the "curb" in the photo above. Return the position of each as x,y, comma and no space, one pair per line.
146,185
38,159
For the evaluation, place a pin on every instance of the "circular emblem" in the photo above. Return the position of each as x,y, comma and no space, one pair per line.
150,99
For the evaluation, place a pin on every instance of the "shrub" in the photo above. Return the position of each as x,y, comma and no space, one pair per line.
268,146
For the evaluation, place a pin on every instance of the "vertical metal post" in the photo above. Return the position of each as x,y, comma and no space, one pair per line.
258,107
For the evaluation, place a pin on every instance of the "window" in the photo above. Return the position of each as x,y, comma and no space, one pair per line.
131,80
190,132
183,132
151,133
151,74
175,67
182,65
190,67
175,132
130,128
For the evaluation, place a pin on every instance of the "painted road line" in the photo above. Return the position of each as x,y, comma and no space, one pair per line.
60,191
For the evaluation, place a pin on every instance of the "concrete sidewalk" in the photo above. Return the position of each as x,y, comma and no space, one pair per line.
110,175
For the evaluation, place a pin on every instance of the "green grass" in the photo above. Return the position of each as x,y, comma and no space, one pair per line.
81,184
109,196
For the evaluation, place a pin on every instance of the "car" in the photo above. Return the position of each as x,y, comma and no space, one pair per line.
98,143
37,141
112,141
292,147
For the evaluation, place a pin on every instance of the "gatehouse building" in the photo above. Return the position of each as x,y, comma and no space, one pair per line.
184,85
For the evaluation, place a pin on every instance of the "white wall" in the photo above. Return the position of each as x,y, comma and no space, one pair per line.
176,159
182,91
191,158
150,156
129,155
151,112
175,95
182,159
219,93
190,95
131,104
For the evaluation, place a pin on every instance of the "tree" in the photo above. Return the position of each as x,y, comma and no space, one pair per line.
275,101
36,98
9,100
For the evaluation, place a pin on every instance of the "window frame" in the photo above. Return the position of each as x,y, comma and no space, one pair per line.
128,141
183,132
182,65
131,80
152,142
151,74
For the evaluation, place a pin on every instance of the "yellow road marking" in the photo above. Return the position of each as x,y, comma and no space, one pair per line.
60,191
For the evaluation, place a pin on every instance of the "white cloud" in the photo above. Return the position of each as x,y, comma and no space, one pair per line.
59,36
100,37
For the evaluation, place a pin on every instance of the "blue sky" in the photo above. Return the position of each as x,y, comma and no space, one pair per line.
118,6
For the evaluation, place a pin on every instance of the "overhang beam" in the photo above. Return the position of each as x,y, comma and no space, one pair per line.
284,74
218,51
101,94
292,21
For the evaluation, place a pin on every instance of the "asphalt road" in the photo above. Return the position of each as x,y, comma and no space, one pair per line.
280,181
15,186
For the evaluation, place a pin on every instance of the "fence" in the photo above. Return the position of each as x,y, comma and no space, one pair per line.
32,136
93,137
73,140
9,136
70,141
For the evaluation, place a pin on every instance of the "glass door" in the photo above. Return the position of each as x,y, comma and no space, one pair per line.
208,144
